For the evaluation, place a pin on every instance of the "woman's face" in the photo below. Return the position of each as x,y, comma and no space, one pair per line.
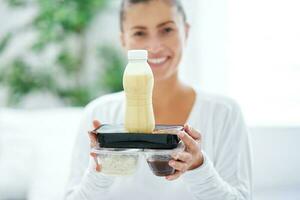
158,27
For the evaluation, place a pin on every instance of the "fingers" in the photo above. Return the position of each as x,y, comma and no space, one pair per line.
183,156
98,166
174,176
188,141
96,124
93,139
93,143
179,166
93,133
196,135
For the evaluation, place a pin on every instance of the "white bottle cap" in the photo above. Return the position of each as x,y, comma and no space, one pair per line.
137,55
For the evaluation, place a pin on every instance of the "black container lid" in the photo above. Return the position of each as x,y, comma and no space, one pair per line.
115,136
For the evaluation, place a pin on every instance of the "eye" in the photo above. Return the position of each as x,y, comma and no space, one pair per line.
168,29
139,33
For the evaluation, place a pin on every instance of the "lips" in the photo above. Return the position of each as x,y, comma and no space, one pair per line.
157,62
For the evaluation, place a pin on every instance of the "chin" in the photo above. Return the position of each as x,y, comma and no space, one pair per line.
163,76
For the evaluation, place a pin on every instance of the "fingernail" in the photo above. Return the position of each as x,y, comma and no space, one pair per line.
188,128
180,134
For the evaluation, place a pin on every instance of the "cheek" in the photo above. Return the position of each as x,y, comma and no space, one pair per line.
176,46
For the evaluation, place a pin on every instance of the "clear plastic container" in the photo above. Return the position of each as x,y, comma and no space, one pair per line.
158,160
117,162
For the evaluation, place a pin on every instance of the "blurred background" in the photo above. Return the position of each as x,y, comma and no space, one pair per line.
57,55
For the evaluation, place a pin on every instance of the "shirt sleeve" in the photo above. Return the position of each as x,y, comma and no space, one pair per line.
230,175
84,182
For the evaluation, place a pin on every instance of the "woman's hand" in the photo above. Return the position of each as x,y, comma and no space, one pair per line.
93,143
191,157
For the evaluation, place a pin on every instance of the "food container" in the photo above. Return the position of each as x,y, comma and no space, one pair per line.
117,162
158,160
115,136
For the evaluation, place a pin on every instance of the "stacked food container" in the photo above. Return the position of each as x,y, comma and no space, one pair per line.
119,151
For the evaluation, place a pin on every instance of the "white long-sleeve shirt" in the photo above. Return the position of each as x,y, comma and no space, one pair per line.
225,174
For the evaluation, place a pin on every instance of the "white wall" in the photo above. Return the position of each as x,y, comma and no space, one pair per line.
205,62
248,50
264,61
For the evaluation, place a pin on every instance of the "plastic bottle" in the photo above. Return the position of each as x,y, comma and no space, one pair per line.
138,85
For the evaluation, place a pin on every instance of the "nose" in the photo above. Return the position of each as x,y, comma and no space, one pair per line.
154,45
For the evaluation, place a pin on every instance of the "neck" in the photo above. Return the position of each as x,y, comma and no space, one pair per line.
164,91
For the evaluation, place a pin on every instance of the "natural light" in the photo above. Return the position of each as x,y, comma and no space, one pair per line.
264,49
249,50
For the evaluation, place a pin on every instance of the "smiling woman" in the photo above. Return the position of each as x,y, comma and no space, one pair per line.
215,164
163,32
163,35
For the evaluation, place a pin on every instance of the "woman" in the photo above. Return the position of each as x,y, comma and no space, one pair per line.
219,168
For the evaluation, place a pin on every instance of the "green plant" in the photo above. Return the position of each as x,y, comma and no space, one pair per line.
112,77
23,80
55,23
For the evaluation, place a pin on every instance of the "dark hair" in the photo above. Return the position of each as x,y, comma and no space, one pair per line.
124,3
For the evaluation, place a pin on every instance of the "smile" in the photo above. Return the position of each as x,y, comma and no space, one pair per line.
157,60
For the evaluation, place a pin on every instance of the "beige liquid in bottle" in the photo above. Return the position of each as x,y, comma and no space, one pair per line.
138,85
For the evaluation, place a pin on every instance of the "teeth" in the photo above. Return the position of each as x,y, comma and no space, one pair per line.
157,60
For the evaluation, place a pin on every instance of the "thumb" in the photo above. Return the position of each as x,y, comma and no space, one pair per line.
192,132
96,123
93,163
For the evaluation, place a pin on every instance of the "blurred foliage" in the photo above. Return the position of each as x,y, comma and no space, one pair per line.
75,96
17,2
69,63
56,22
22,80
112,77
4,42
57,19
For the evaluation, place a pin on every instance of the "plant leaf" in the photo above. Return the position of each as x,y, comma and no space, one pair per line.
5,41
